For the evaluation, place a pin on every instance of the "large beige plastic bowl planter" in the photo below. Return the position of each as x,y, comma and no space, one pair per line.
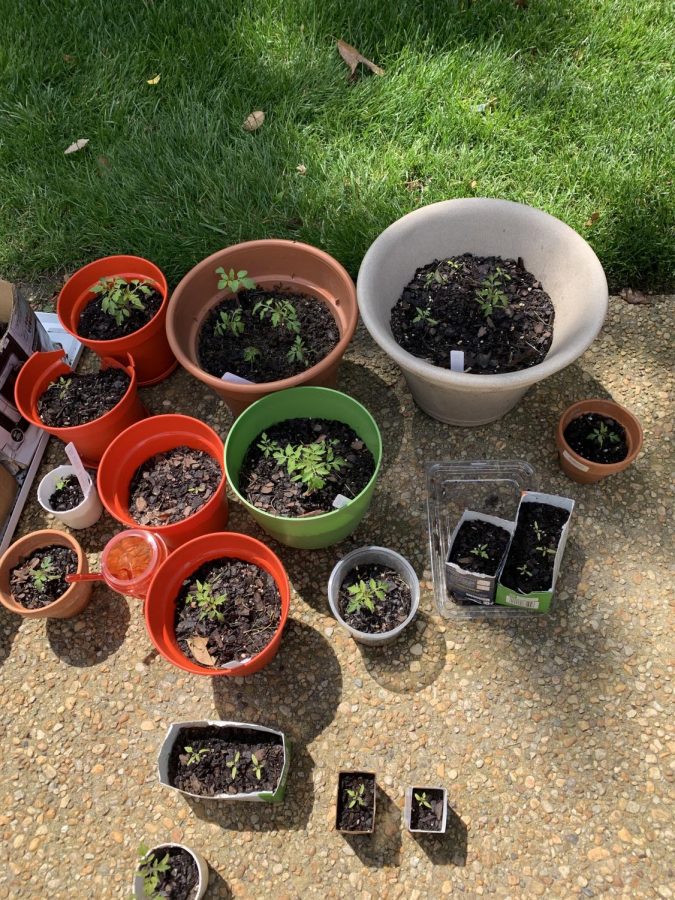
562,260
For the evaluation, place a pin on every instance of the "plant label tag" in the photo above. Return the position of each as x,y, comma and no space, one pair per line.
456,360
235,379
341,501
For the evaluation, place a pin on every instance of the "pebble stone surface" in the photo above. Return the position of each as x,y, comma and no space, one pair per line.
554,737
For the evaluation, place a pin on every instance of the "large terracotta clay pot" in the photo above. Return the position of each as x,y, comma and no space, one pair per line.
288,265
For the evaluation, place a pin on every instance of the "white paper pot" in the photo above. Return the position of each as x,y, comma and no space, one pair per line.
86,514
407,809
202,884
555,254
380,556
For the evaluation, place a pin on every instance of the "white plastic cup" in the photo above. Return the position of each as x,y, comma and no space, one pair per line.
202,866
380,556
85,514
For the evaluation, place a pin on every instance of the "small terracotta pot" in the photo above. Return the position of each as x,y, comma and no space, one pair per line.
148,346
92,438
71,602
582,470
288,265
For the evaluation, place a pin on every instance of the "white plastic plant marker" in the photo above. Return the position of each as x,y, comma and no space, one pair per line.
235,379
456,360
80,471
340,501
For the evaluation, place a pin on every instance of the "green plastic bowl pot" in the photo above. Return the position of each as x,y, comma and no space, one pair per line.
311,532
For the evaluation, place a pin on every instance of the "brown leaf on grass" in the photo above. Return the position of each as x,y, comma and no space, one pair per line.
301,169
473,184
68,58
592,220
78,145
352,57
154,79
254,121
635,297
103,161
198,649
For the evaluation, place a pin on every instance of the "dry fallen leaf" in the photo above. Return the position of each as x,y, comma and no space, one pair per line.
473,184
198,649
593,219
68,58
352,57
154,79
301,169
635,297
78,145
254,121
103,161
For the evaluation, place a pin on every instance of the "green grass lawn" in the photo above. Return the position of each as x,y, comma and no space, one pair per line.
581,123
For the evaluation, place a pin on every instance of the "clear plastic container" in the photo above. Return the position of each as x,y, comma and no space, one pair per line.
489,486
130,559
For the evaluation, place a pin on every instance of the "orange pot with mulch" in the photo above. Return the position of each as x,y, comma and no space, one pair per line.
288,267
600,433
71,602
148,345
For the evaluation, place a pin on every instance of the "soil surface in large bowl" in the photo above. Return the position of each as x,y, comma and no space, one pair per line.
96,324
374,598
177,873
266,336
491,309
597,438
171,486
227,610
479,546
39,579
298,467
356,801
75,399
529,566
226,760
67,494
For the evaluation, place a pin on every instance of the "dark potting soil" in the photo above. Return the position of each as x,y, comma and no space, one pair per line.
423,817
267,484
171,486
360,816
39,579
181,880
479,547
440,310
597,438
227,610
101,326
208,773
77,399
274,359
529,565
67,494
390,610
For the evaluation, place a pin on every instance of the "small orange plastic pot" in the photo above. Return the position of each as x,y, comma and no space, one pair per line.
92,438
160,605
135,446
149,347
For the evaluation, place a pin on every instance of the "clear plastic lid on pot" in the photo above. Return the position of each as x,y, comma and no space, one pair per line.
130,559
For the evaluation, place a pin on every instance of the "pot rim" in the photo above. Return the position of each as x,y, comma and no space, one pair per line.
200,862
620,413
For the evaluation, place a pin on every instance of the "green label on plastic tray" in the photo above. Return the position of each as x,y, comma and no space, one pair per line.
537,601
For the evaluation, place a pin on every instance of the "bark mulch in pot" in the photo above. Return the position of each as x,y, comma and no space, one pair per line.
67,494
210,761
171,486
39,579
597,438
479,546
529,566
332,450
492,309
181,879
426,813
378,586
77,399
255,348
356,801
97,325
227,610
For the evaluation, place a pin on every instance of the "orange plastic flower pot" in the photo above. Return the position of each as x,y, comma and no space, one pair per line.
148,346
160,605
135,446
92,438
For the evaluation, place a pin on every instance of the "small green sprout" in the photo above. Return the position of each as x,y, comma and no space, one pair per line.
281,313
119,296
435,276
229,322
251,354
297,351
365,595
524,570
43,573
267,445
602,434
197,489
537,530
62,384
481,550
310,464
423,800
424,315
258,766
195,756
209,604
545,551
453,265
234,280
491,297
60,484
233,765
150,870
356,796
